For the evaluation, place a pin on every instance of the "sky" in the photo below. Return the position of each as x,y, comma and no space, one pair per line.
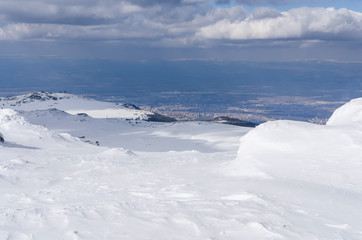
222,30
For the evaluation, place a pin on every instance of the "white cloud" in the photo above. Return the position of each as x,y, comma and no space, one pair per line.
171,23
299,23
75,13
265,12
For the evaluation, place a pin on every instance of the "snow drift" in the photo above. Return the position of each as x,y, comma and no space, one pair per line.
302,151
348,114
323,154
54,186
295,180
312,172
19,131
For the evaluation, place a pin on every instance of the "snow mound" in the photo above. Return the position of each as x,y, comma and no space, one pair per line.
19,132
117,152
301,151
348,114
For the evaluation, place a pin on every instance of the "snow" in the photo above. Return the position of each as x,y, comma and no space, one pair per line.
303,151
72,104
348,114
312,170
184,180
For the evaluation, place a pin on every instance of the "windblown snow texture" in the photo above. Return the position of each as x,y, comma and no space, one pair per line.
187,180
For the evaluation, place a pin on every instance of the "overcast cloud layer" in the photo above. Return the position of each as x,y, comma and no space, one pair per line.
174,23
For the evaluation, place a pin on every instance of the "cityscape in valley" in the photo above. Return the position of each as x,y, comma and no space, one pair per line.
257,111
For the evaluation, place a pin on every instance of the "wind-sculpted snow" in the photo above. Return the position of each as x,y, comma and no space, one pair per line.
304,152
311,170
350,114
185,180
20,132
54,186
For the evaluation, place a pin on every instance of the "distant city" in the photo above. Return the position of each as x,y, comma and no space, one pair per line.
196,90
181,107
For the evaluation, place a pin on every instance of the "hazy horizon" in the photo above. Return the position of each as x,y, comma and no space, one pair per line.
289,90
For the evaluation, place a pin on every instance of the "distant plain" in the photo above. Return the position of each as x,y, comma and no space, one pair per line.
188,90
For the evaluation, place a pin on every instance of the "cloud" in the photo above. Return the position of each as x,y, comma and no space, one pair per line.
115,20
265,12
75,13
299,23
222,1
177,23
268,2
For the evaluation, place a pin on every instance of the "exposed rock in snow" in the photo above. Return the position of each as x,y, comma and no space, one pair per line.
130,106
233,121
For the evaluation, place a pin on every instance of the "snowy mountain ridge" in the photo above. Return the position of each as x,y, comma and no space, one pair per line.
35,96
73,104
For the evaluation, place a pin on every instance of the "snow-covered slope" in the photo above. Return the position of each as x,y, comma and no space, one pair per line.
55,186
186,180
140,135
312,172
72,104
348,114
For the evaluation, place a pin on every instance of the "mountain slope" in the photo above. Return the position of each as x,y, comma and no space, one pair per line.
72,104
54,186
187,180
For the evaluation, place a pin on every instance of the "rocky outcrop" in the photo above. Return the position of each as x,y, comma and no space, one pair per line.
233,121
